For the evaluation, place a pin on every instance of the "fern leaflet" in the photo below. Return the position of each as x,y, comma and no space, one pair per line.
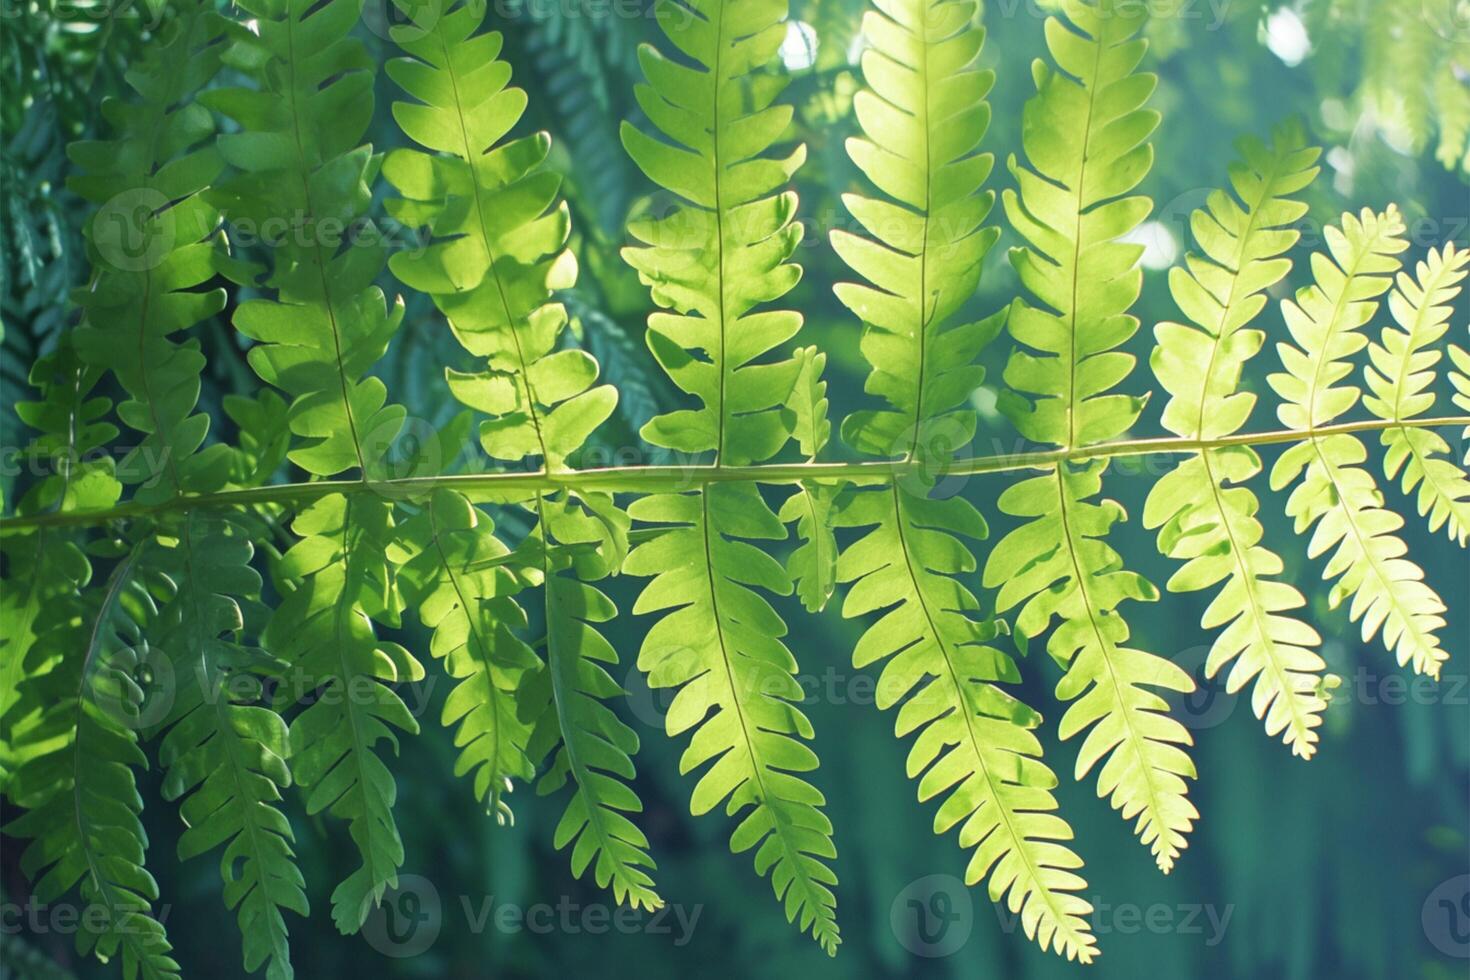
1399,378
1336,494
1206,514
924,116
719,253
1085,134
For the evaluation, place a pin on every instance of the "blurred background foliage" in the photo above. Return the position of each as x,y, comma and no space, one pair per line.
1298,870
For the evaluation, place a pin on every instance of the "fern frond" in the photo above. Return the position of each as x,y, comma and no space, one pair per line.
724,249
1060,566
974,741
1206,514
1336,494
498,251
324,630
720,647
812,564
301,166
47,566
160,161
454,571
225,750
596,747
924,115
711,260
81,796
1085,134
499,239
1400,375
1460,380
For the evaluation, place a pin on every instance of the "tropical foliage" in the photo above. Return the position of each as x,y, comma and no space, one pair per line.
222,590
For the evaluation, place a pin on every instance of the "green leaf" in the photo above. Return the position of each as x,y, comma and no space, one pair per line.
302,183
1059,565
719,646
1205,513
974,744
712,261
1400,376
812,565
924,115
498,246
1086,133
452,570
596,747
723,248
46,566
80,794
225,750
1335,493
154,242
324,631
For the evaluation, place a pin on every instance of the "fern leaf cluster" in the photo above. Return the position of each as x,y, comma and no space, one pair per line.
1207,517
714,260
1086,139
265,606
924,115
497,253
1335,492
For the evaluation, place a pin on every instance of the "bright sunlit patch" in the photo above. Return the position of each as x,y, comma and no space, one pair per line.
1160,247
799,49
1286,36
1342,164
